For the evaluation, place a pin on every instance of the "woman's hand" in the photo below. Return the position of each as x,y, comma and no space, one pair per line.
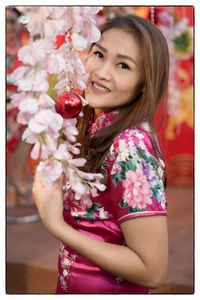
49,203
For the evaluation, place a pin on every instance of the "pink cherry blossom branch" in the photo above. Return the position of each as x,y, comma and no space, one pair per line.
53,136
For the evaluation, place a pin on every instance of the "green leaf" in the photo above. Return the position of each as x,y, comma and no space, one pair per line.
139,152
89,215
146,157
182,41
122,164
77,218
132,164
115,179
65,190
154,162
155,192
106,165
123,204
95,206
158,186
37,37
135,209
52,82
121,175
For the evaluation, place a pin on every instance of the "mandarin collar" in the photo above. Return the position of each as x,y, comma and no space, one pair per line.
102,120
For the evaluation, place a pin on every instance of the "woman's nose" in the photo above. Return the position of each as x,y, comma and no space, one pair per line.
104,71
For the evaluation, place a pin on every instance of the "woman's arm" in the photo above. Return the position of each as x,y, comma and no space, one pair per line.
142,261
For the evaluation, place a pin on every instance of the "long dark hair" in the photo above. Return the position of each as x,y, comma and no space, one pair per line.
155,69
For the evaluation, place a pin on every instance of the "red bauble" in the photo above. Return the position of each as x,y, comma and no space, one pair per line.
68,105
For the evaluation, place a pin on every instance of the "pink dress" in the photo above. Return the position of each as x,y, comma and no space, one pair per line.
135,189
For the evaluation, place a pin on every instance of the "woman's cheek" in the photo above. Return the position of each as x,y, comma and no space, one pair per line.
89,64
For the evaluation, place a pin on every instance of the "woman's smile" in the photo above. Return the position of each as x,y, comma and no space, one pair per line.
99,88
114,70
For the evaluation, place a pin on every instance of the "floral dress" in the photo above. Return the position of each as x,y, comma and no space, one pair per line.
135,189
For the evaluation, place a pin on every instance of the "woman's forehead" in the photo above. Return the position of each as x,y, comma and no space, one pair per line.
120,41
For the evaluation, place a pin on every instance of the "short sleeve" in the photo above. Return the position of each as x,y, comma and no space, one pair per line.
136,180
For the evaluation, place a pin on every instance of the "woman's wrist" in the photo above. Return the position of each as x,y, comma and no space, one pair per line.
55,227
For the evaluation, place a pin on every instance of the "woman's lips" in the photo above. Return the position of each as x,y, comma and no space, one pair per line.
99,88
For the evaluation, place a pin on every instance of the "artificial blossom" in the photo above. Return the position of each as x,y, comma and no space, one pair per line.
47,72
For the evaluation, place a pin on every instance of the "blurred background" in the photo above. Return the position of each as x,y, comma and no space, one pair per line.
31,252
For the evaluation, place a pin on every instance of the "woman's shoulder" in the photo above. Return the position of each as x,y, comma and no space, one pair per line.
131,139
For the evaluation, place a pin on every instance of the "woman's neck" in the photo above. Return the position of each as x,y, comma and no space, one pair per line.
98,111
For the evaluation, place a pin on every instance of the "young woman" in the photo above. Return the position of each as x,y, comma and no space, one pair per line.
120,244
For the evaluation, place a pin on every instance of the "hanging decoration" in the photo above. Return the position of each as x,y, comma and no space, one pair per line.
47,103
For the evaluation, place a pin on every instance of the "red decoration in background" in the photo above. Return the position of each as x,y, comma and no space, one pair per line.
157,9
61,38
59,41
186,12
68,105
176,135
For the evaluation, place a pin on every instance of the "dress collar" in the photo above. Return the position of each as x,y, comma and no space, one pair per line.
102,120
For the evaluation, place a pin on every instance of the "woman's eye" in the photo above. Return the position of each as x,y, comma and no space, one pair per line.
124,66
98,54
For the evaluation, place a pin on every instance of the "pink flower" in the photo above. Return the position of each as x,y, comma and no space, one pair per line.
45,101
34,52
86,201
46,120
77,162
62,153
79,189
28,105
94,192
33,81
23,117
50,173
89,11
54,63
18,73
54,27
137,189
94,34
79,42
17,98
36,21
29,136
35,150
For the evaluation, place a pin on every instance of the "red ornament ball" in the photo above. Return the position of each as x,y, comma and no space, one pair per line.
68,105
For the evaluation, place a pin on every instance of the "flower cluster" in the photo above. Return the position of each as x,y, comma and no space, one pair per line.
137,190
53,136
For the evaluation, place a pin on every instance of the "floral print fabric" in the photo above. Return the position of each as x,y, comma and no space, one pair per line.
136,176
135,188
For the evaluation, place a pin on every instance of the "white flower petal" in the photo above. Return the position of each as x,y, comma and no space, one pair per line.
45,101
35,126
35,151
29,136
23,117
29,105
77,162
17,98
79,42
94,34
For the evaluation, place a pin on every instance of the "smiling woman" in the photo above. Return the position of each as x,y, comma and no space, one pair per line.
120,243
114,74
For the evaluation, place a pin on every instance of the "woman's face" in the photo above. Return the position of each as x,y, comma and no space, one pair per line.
114,65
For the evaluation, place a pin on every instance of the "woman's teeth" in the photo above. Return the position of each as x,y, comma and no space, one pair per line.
101,88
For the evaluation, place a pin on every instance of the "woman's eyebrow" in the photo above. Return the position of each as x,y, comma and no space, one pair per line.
100,47
118,55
